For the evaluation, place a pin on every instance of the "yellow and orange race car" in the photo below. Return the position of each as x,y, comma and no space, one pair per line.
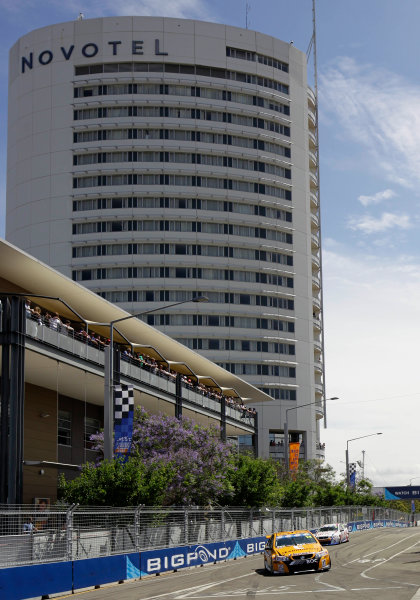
293,551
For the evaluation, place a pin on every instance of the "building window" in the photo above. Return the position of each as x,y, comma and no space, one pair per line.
92,426
64,428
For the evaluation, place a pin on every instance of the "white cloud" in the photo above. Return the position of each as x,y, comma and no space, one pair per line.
372,308
368,224
188,9
378,110
377,198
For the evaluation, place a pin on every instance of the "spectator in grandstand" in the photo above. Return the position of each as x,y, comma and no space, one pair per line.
55,322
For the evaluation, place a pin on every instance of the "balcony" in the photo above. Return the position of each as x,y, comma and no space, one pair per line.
319,387
313,161
311,97
316,283
313,180
277,452
316,303
317,324
314,199
312,139
318,362
319,411
311,118
315,220
320,451
315,261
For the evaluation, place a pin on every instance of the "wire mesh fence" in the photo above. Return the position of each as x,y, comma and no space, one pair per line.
31,535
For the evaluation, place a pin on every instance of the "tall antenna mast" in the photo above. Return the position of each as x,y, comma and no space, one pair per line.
247,9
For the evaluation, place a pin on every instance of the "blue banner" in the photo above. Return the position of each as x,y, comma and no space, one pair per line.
408,492
17,583
172,559
123,420
106,569
352,475
362,525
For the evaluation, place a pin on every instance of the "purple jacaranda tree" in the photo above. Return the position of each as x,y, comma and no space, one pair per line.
197,462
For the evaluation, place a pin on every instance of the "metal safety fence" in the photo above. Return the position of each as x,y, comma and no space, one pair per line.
41,534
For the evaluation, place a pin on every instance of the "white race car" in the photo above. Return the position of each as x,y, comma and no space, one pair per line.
332,533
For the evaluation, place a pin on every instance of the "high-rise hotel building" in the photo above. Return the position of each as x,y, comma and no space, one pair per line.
154,159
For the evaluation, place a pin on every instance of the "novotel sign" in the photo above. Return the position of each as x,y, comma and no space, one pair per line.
88,50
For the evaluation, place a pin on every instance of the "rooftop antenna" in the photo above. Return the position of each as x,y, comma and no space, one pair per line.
247,9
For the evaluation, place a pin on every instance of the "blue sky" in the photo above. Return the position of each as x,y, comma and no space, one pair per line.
370,173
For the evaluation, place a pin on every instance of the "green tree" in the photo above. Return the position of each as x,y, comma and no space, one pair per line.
113,483
254,482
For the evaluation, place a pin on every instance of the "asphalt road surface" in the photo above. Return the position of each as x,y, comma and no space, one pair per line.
381,564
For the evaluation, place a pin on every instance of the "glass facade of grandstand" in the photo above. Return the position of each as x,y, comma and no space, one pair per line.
156,159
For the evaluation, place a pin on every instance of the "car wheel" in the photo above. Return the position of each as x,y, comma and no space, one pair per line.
327,568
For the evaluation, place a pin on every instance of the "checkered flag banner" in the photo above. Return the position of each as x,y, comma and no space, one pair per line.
123,420
352,474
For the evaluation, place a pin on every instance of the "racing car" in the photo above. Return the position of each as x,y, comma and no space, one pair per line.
294,551
333,533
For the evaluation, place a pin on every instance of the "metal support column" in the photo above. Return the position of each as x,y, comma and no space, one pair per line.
223,419
178,396
255,435
12,342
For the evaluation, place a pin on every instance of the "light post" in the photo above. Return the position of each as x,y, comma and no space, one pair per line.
347,454
412,479
286,427
109,373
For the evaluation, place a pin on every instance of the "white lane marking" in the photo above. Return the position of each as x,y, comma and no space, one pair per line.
288,591
247,592
391,587
363,573
371,560
334,587
196,588
203,588
252,591
416,595
376,551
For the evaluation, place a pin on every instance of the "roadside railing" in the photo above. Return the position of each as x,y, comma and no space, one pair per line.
34,535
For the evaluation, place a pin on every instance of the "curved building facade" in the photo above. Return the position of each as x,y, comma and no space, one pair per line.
154,159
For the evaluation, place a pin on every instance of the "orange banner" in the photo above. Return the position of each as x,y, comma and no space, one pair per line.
294,456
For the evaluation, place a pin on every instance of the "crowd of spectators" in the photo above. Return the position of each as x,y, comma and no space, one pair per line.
80,332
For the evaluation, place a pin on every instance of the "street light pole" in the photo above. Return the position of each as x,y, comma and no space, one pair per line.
109,374
347,454
286,428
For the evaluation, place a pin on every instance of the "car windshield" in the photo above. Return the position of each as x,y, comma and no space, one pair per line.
294,539
328,528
